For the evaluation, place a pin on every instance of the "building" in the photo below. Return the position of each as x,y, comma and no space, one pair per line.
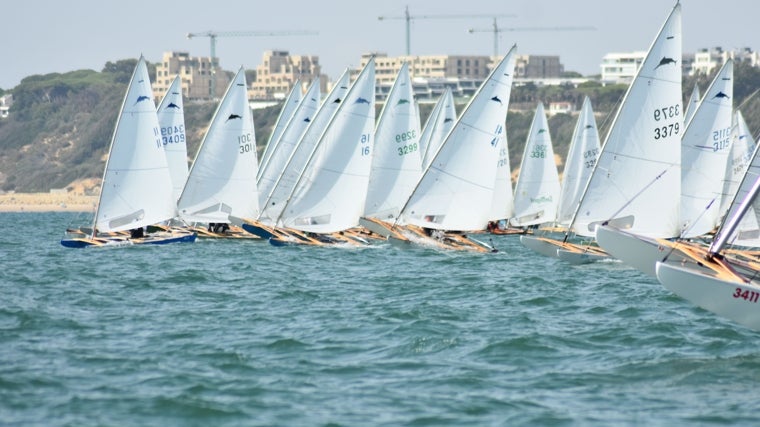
200,75
707,60
5,105
279,71
537,66
621,67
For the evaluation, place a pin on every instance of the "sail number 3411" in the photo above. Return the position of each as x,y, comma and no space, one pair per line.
750,296
664,114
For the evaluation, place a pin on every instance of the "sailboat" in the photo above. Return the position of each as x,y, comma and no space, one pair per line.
742,147
579,164
638,168
137,188
272,166
396,160
222,180
330,193
705,146
455,193
537,191
691,105
439,124
287,112
724,285
171,119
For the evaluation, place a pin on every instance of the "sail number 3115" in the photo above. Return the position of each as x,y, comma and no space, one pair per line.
664,114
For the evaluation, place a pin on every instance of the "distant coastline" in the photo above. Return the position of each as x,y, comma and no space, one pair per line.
46,202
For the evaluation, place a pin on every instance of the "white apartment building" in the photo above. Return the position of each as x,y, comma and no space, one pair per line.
621,67
707,60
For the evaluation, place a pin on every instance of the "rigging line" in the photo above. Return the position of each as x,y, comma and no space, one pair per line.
625,205
685,230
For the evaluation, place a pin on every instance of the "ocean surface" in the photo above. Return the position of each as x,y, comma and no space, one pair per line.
240,333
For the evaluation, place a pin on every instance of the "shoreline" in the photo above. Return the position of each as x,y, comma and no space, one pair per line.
46,202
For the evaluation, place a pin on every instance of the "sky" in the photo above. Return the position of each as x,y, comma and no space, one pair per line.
46,36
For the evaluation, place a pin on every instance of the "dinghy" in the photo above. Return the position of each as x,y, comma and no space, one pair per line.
222,180
136,191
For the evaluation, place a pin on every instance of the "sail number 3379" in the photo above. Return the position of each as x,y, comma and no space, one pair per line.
662,116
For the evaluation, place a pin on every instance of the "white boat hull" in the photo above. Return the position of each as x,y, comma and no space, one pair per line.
577,258
734,300
641,253
542,246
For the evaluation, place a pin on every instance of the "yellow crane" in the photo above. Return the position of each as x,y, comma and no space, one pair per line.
212,35
495,29
408,18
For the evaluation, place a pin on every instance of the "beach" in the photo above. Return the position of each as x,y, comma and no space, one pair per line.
47,202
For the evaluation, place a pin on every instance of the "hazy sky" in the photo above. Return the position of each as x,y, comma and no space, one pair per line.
44,36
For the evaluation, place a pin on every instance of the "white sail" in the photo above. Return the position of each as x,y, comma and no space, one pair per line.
456,190
742,147
503,204
691,106
747,230
638,171
330,194
171,119
303,146
705,145
137,187
222,180
581,158
396,162
287,112
438,126
271,168
537,189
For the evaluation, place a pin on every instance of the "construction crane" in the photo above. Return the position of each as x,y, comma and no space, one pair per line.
408,18
495,29
212,35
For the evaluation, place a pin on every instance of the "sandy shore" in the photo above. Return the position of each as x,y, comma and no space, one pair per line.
46,202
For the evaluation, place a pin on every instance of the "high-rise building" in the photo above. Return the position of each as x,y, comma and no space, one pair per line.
199,75
279,70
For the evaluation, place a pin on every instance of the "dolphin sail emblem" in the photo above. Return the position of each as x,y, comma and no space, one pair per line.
233,116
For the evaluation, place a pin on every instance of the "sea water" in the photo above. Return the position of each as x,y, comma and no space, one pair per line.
231,333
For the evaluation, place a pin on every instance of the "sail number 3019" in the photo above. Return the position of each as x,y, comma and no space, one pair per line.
663,114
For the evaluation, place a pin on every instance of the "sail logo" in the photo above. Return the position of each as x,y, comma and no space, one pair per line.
141,98
496,99
232,117
402,101
721,95
173,105
665,61
448,119
542,199
361,100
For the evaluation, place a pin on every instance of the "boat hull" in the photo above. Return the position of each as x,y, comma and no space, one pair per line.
86,242
732,299
641,253
578,257
544,246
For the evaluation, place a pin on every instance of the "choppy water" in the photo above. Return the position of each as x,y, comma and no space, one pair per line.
230,333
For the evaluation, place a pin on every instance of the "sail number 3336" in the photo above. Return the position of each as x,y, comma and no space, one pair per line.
664,115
